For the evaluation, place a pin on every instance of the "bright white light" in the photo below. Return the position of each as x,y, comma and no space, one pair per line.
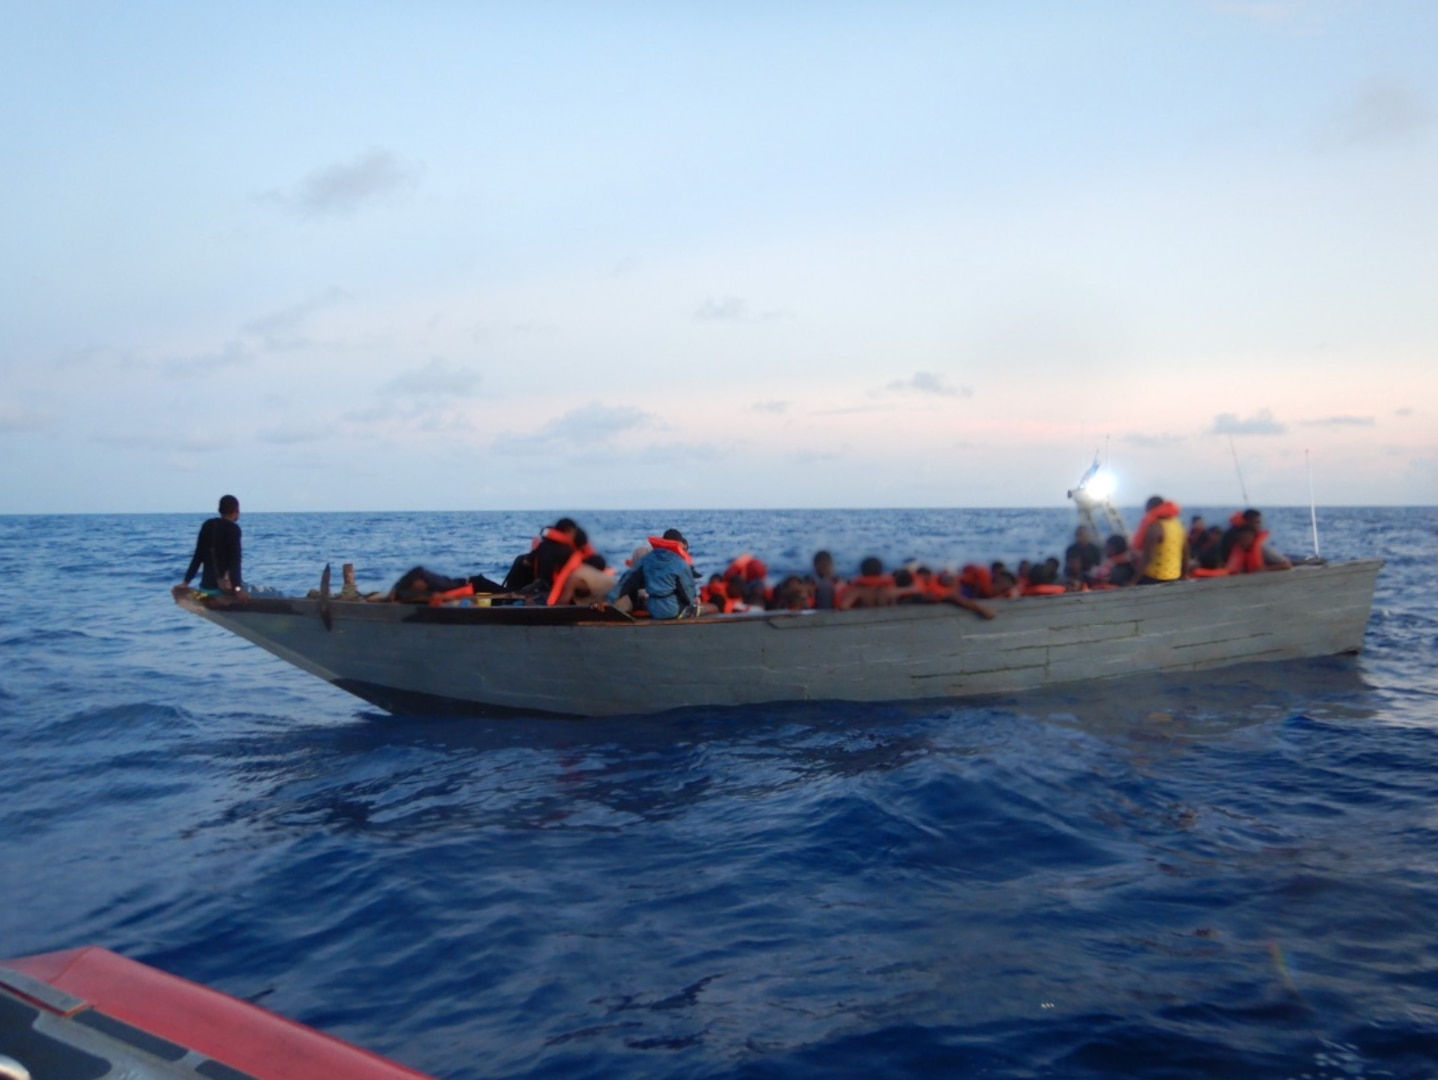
1100,485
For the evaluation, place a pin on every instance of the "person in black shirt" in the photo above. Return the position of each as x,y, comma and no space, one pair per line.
217,550
1082,556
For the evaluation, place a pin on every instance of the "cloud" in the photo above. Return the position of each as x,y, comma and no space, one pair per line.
845,410
594,423
281,330
926,382
189,442
1261,423
16,418
733,309
1405,411
624,266
1340,421
293,434
344,188
435,379
1152,442
777,407
1290,16
1382,111
588,426
231,354
729,309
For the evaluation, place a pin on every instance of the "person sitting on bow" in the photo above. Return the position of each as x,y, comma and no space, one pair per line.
666,575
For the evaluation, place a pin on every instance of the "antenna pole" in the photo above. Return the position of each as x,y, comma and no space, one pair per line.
1312,503
1234,451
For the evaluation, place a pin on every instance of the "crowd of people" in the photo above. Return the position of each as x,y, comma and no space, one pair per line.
659,579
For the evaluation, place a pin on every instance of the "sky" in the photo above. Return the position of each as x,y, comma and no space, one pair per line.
472,256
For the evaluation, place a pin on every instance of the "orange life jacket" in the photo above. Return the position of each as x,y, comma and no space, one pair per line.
872,581
738,565
1199,571
1042,590
930,585
978,579
1162,510
436,599
1250,561
675,546
862,581
576,558
717,593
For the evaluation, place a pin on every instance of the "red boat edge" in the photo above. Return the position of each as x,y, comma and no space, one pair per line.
86,999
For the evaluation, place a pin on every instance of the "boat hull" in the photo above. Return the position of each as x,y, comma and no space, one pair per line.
581,662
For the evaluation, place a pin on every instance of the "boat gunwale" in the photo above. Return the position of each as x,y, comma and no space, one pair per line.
587,616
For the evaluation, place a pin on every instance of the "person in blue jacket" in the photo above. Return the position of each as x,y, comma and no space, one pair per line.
666,575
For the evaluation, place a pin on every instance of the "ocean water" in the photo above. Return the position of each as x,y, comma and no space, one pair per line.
1227,874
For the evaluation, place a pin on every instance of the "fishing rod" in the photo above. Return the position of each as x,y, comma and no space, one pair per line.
1241,486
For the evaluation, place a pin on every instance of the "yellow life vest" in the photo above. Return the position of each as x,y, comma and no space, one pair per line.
1167,561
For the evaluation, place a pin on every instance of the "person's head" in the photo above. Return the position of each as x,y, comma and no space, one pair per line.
581,538
639,553
677,536
1154,502
1244,536
823,564
1082,535
229,507
1003,581
903,578
1254,518
1196,522
1115,545
793,594
871,567
567,526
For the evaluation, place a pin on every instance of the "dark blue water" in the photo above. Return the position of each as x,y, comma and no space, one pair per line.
1224,875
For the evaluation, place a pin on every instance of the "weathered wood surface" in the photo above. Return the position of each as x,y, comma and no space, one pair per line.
573,662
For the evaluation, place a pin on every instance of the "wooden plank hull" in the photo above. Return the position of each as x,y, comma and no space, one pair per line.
575,662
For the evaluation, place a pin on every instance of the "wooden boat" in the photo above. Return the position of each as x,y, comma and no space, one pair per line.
88,1013
578,661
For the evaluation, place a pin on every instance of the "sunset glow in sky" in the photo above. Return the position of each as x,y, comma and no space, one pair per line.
503,256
